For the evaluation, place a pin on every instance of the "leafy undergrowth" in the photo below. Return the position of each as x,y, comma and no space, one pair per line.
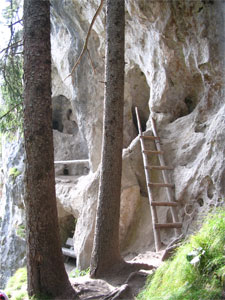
79,273
197,270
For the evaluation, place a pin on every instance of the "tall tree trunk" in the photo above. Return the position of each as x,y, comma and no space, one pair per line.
106,251
46,272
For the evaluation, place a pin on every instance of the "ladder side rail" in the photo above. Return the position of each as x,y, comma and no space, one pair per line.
165,176
156,231
138,122
153,208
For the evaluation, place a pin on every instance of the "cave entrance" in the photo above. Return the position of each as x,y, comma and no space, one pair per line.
63,118
137,93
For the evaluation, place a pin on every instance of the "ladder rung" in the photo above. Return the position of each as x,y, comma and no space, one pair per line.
152,152
161,184
161,203
168,225
149,137
159,167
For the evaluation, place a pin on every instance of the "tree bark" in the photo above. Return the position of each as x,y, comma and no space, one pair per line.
106,251
46,272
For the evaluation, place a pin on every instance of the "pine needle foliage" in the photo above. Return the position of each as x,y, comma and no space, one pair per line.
197,270
12,90
11,72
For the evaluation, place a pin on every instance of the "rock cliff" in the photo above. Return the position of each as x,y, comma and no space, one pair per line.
174,73
12,219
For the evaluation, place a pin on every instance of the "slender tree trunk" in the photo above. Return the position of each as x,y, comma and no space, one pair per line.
46,272
106,251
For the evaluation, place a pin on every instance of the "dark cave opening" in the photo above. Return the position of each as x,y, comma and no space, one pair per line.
62,115
137,93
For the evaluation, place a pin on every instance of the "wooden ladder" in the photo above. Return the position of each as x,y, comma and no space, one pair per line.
165,184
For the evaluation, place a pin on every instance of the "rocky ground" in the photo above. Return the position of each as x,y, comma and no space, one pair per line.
126,283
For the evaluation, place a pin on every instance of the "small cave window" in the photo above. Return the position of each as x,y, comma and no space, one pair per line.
57,120
190,103
185,107
60,105
69,114
65,170
200,202
70,126
55,125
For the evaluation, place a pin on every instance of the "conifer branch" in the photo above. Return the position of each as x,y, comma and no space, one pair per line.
16,22
10,110
14,45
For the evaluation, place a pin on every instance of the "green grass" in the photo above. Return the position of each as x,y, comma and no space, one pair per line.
16,288
197,270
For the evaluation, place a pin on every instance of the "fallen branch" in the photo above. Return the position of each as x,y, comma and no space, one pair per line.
86,40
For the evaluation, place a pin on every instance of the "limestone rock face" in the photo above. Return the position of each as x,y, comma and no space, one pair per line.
175,74
12,219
